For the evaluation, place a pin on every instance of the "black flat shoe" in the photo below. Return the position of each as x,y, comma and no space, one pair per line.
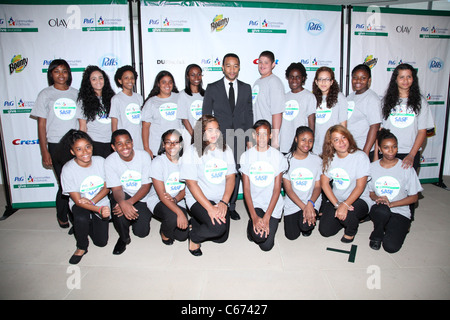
345,240
120,247
63,225
74,259
167,242
197,252
375,244
234,215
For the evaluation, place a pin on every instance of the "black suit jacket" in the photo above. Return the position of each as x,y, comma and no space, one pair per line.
215,102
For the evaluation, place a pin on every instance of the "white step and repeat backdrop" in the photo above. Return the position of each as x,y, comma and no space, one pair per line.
31,36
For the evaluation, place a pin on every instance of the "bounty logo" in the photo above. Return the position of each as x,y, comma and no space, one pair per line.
370,61
314,27
435,64
219,23
17,64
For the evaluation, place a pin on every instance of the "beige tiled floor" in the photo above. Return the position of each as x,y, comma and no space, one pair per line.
34,254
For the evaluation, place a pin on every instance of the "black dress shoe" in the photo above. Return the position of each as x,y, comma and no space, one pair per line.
346,240
234,215
197,252
75,259
120,247
375,244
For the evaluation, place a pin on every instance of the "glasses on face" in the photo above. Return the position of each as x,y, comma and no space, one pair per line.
323,80
171,143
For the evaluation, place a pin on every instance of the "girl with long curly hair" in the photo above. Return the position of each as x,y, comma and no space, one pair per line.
406,114
94,101
348,199
331,106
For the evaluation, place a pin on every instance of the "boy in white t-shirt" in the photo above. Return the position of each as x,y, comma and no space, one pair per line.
128,176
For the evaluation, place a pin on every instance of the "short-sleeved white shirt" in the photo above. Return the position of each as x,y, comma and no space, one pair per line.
190,107
100,128
59,108
267,97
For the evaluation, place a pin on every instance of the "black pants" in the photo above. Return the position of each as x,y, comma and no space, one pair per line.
203,229
87,224
330,225
169,222
140,226
63,212
388,227
265,243
293,225
102,149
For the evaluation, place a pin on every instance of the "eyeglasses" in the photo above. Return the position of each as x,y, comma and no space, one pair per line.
171,143
323,80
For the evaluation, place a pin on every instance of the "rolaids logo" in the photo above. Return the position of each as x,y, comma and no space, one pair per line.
17,64
219,23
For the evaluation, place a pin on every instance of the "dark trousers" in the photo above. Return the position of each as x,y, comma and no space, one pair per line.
330,225
388,227
87,224
102,149
63,212
140,226
169,222
265,243
293,225
203,229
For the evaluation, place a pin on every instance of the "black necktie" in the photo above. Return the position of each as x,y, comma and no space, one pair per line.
231,97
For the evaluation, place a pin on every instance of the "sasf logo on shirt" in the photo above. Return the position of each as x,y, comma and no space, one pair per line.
173,184
302,179
131,180
402,116
261,173
91,186
64,108
215,170
341,179
387,186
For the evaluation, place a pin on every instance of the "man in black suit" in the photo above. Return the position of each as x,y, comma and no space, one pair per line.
232,105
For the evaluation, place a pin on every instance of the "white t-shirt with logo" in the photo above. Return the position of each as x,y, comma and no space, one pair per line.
344,173
100,128
86,181
364,110
168,172
127,110
262,168
298,107
303,174
327,117
268,98
130,175
405,124
162,114
395,183
209,170
190,107
59,108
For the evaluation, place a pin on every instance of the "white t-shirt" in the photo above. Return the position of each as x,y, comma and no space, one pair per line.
364,110
87,181
298,107
405,124
99,129
168,172
127,110
395,183
328,117
262,168
190,107
267,97
162,114
344,173
209,170
59,108
303,174
130,175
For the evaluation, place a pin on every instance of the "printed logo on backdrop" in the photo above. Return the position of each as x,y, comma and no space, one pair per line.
403,29
17,25
17,106
265,26
370,61
57,23
362,29
314,63
75,65
434,31
314,27
31,181
103,23
393,63
18,64
219,23
109,62
436,64
166,25
211,64
435,99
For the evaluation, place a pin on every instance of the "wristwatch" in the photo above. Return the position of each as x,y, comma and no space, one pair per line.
227,204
